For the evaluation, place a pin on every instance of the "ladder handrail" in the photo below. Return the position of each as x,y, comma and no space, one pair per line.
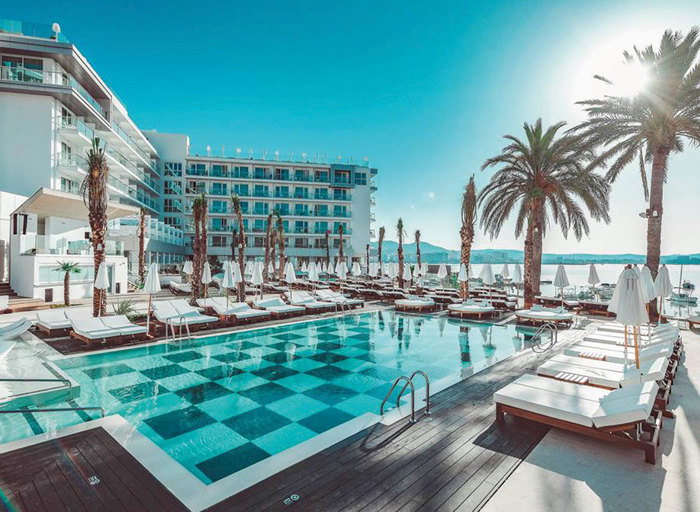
553,332
65,381
413,403
56,409
427,389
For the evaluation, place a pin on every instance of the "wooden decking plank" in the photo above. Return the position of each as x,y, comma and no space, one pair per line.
68,496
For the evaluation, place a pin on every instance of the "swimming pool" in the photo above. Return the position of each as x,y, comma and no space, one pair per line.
219,404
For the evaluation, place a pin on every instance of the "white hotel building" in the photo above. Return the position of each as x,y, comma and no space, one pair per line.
52,105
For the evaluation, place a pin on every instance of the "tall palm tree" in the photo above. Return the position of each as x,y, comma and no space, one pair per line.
399,235
328,248
466,232
234,243
652,124
367,257
280,243
96,197
417,238
341,253
273,248
199,243
68,268
268,236
543,179
142,245
238,211
382,232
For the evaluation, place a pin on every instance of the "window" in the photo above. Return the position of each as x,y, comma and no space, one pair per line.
282,208
197,170
171,187
261,208
219,189
219,241
219,170
281,191
172,205
259,226
69,186
241,189
301,226
261,191
259,173
176,222
218,206
340,211
322,176
219,224
360,178
173,169
240,172
301,209
320,228
281,174
259,241
321,210
301,192
22,70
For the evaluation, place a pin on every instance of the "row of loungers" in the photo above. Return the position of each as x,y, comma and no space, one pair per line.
82,325
589,389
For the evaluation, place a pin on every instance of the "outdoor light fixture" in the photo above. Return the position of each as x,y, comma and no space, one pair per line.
648,213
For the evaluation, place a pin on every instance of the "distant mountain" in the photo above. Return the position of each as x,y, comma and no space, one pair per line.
435,254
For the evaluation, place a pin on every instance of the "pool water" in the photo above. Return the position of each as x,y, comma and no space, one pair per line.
221,403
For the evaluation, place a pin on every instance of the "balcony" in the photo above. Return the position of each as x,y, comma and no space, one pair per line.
218,192
301,195
261,193
301,231
302,213
261,211
282,195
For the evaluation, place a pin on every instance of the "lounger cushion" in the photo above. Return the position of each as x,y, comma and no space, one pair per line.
627,405
415,303
53,319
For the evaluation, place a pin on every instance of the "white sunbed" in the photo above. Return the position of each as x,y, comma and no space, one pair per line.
306,300
50,320
616,354
339,298
617,327
168,313
471,308
15,329
4,302
278,308
414,303
611,338
618,415
91,329
183,288
124,325
603,374
240,311
539,314
567,303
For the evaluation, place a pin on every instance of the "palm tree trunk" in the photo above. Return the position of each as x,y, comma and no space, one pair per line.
537,249
280,270
99,306
656,197
66,289
328,249
400,251
464,258
142,245
241,256
527,264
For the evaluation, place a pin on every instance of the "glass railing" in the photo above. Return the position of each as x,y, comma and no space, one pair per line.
75,123
132,144
302,213
31,29
261,193
260,212
218,192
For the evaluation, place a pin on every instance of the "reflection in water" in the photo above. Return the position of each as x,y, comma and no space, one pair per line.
442,322
399,333
417,324
380,321
464,353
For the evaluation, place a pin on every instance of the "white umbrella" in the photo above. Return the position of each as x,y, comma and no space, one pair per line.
256,277
372,269
270,269
187,267
663,286
290,276
593,278
342,270
206,277
356,269
424,269
304,267
442,271
629,306
647,284
462,277
636,270
505,271
151,286
313,272
517,274
249,267
406,272
487,274
561,280
101,283
237,277
227,281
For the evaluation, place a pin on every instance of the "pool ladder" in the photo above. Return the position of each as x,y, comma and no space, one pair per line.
536,339
409,382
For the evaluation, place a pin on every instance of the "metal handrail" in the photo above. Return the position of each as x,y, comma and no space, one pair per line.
57,409
427,390
413,402
65,381
537,337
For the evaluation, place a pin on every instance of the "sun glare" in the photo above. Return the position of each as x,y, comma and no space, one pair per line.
630,79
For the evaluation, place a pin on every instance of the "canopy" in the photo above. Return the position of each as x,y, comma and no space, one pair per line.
593,278
289,275
187,267
517,274
662,283
442,271
487,274
561,280
629,306
152,283
647,284
462,276
505,271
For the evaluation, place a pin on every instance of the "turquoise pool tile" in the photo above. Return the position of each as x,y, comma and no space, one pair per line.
163,372
241,382
179,422
300,382
256,422
155,406
325,420
144,363
181,357
215,350
276,372
118,381
232,356
330,394
360,404
200,364
102,372
251,364
328,357
358,382
219,371
229,462
258,352
353,364
203,392
350,351
184,380
303,364
140,391
204,443
284,438
267,393
296,407
328,372
228,406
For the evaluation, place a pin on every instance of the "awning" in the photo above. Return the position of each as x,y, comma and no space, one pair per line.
47,202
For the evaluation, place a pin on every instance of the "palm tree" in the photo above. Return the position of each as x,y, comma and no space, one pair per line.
199,243
268,236
417,237
367,252
142,245
273,249
280,243
68,268
544,174
96,197
234,242
236,203
466,232
328,248
652,124
341,253
399,234
382,232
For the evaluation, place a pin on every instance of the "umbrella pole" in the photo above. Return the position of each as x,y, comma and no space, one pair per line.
625,346
636,347
148,315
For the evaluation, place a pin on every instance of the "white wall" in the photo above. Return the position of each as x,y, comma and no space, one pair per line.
8,204
60,231
26,140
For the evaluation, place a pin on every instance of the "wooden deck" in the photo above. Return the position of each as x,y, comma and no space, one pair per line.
58,475
454,459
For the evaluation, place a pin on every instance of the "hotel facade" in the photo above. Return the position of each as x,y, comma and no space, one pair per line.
53,104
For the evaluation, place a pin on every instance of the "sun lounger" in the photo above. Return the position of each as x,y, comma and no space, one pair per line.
240,312
613,353
15,329
621,415
594,307
540,315
92,329
279,309
180,288
5,347
124,325
339,298
556,301
617,327
307,301
178,314
471,308
415,304
586,371
4,303
52,321
611,338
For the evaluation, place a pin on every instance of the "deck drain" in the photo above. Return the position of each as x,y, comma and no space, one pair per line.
93,480
291,499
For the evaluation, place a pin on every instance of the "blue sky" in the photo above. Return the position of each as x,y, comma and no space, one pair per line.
424,89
